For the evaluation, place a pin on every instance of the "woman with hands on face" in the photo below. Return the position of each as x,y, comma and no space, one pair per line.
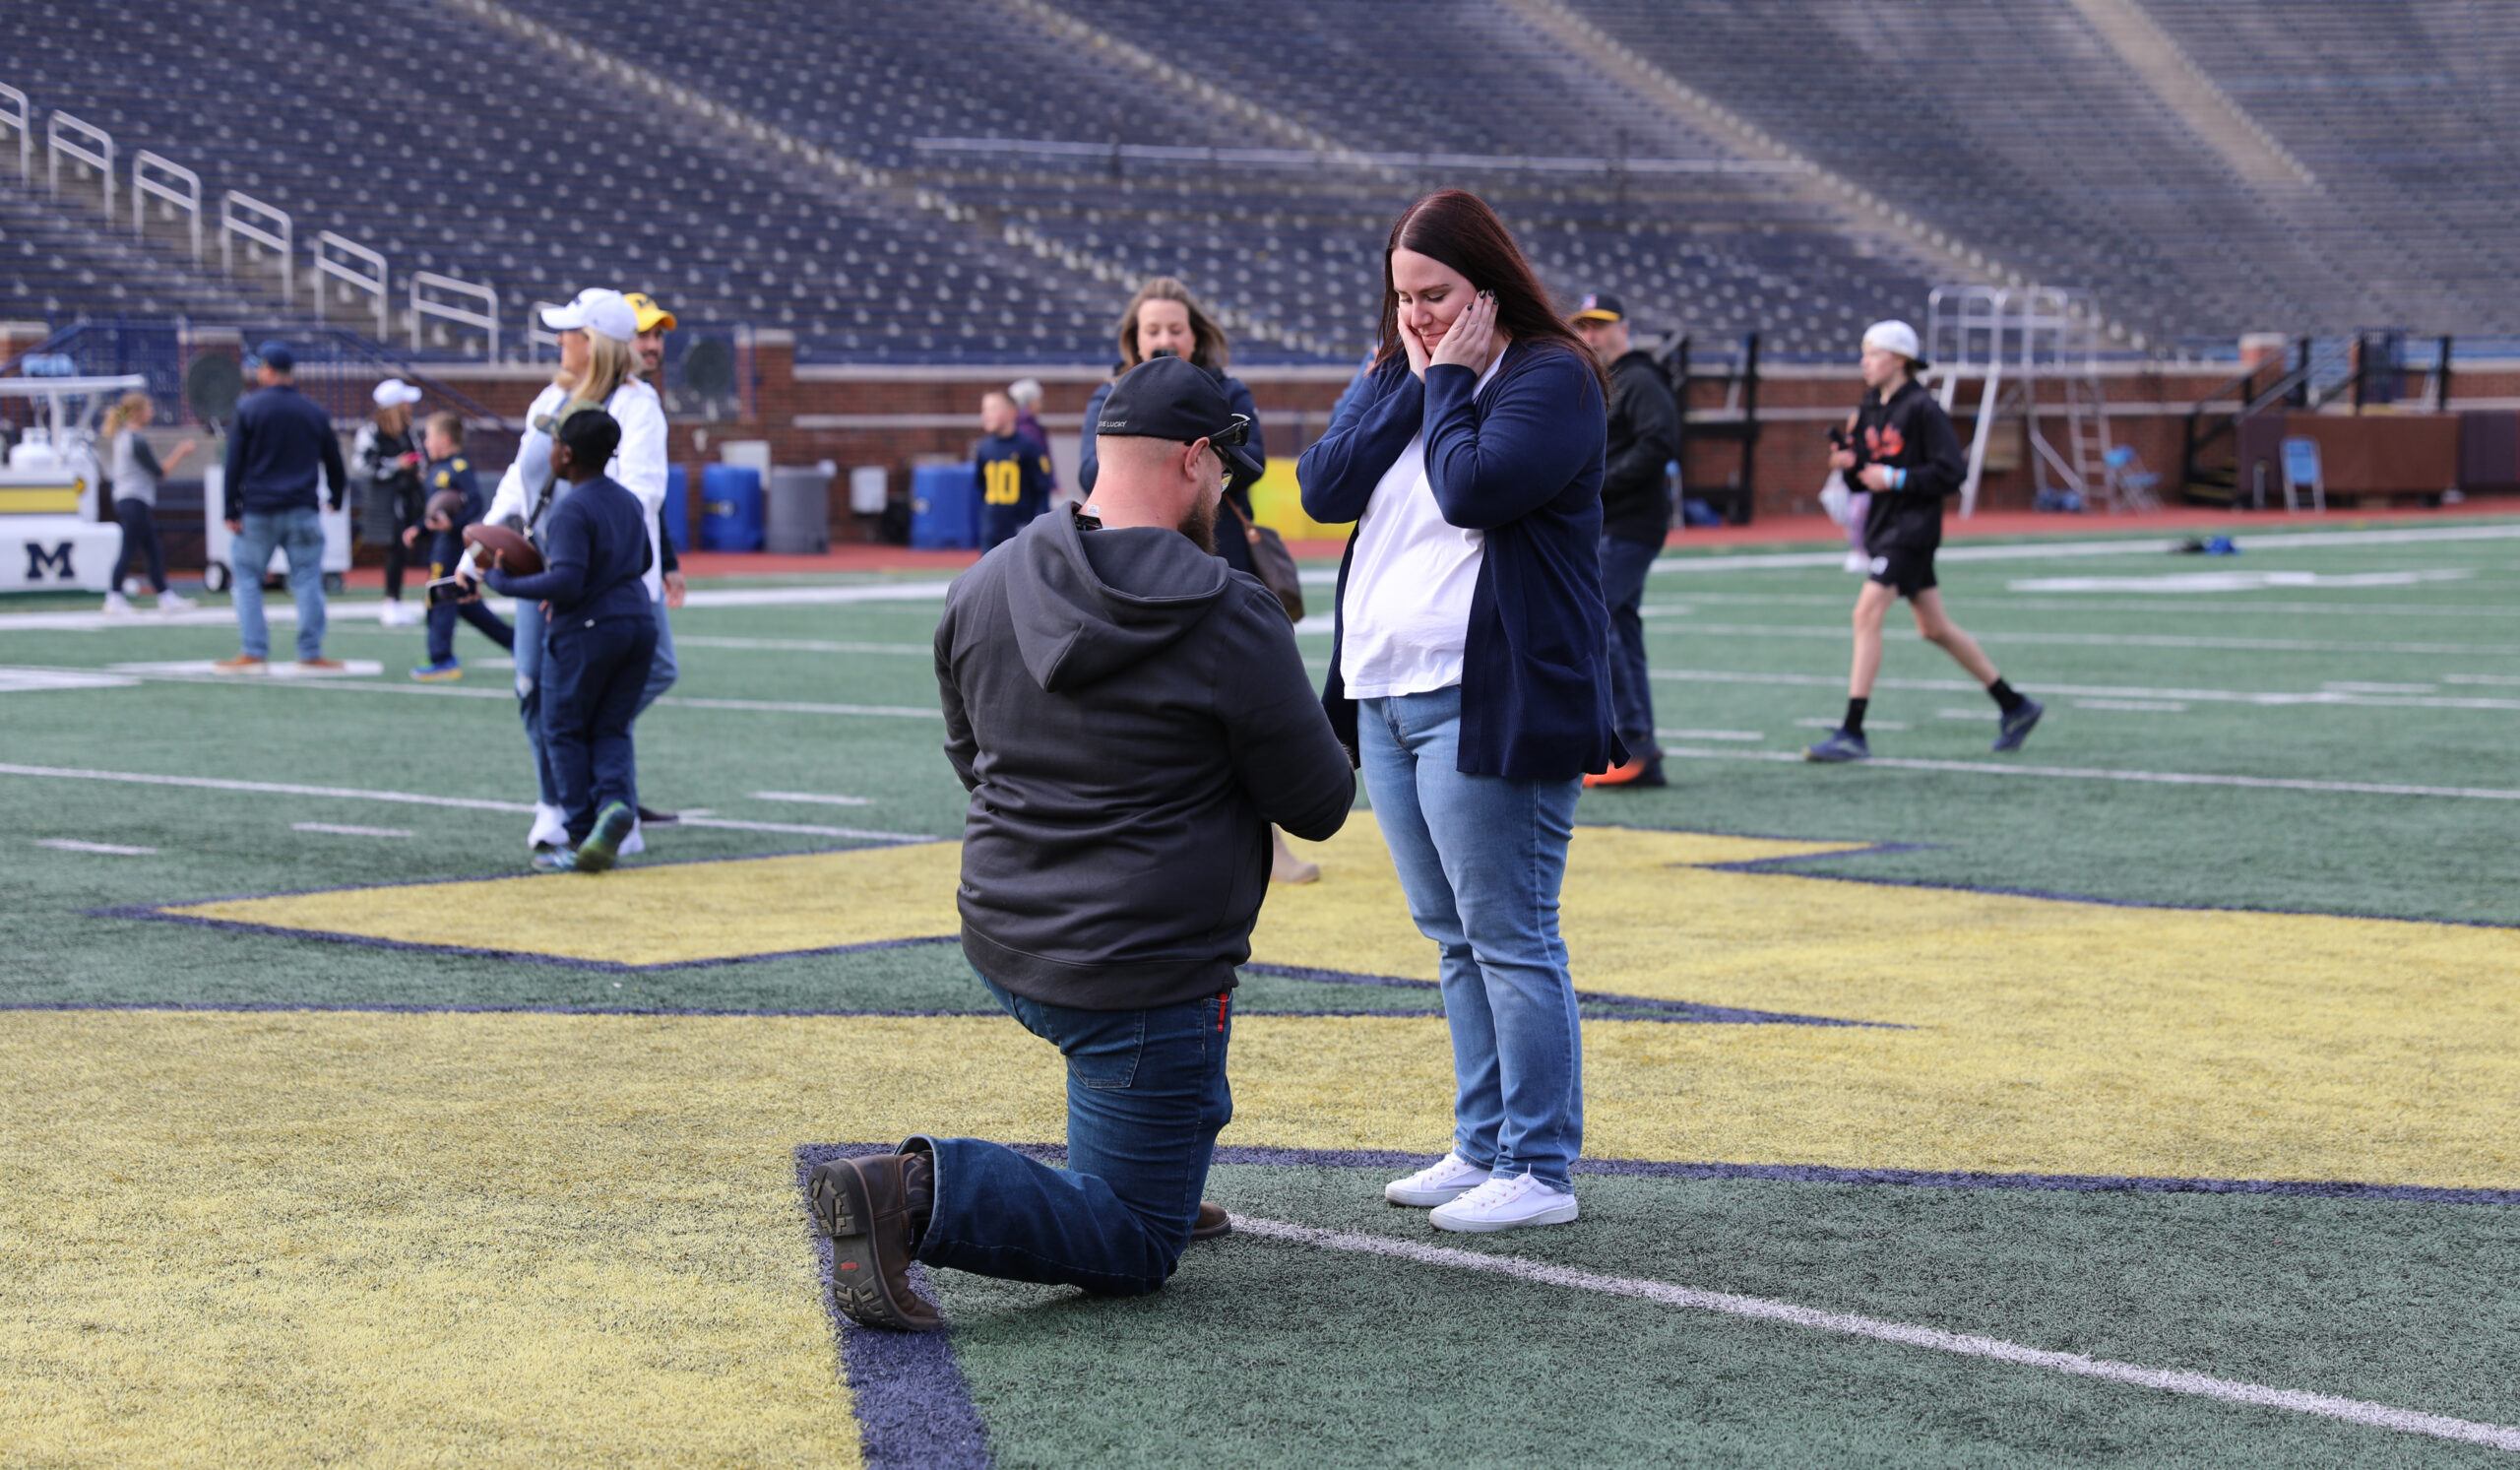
1470,677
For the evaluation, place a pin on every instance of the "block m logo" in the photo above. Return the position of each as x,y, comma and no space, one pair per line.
58,559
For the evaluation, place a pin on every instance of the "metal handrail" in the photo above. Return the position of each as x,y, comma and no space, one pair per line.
23,120
282,241
538,335
101,159
322,251
143,187
487,318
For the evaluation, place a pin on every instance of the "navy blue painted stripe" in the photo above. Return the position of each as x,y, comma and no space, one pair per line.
1665,1011
914,1410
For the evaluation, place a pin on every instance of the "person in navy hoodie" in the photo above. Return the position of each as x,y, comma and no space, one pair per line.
1470,677
599,638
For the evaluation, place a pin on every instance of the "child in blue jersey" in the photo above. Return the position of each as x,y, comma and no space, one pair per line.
448,470
599,637
1013,473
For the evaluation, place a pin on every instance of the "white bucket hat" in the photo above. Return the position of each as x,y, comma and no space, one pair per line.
1897,337
595,310
394,393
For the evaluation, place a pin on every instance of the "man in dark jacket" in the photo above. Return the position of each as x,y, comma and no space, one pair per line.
277,448
1636,519
1129,715
1905,452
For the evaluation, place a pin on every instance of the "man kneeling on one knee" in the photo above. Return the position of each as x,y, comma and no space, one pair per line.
1129,716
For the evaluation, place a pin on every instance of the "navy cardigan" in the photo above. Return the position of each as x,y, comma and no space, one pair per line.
1521,462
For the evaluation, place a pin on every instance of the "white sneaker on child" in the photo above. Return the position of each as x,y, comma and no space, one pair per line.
634,844
172,602
1440,1183
550,827
1505,1202
116,605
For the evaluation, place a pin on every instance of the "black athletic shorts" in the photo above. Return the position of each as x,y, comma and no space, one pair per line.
1910,572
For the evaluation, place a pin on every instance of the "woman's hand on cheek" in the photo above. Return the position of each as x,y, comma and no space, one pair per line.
1416,346
1472,336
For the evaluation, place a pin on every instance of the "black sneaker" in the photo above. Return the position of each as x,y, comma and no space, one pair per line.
648,818
2016,726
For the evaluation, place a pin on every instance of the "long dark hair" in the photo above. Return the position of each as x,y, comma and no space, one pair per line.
1209,346
1456,228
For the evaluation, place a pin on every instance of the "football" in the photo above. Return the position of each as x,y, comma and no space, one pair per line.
447,503
514,553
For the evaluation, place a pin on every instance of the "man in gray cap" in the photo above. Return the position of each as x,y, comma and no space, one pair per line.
277,446
1129,715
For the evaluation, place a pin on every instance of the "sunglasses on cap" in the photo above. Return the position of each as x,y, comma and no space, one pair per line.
1235,433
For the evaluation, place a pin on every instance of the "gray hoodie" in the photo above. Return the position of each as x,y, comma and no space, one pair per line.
1129,716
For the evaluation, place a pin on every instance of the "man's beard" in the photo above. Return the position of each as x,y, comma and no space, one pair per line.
1200,525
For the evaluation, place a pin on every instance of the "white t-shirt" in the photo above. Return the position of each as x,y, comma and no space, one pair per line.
1404,617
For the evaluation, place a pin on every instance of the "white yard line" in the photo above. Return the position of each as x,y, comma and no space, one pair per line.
2271,697
109,849
2095,773
2247,540
804,645
809,596
408,799
1834,632
338,830
791,707
812,799
1906,1335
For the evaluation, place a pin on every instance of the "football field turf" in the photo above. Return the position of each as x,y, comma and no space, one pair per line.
2141,1098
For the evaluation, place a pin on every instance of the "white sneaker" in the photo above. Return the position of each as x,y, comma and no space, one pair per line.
633,845
550,827
172,603
392,614
117,606
1856,562
1507,1202
1441,1183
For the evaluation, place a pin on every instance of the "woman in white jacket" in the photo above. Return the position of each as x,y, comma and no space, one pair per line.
596,366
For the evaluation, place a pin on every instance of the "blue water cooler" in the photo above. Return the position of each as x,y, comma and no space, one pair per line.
944,507
729,508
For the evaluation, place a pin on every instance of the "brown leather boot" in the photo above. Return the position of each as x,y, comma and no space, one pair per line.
1213,1222
864,1207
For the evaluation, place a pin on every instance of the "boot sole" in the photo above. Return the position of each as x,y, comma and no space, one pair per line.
837,1197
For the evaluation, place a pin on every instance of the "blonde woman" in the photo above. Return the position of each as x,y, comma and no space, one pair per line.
598,364
136,473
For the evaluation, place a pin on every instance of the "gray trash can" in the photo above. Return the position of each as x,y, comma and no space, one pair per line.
798,515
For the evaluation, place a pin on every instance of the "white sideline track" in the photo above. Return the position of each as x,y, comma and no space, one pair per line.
2097,773
1934,1339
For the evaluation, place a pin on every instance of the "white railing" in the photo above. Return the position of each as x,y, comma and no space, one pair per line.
262,225
354,266
538,335
89,145
435,307
177,185
21,118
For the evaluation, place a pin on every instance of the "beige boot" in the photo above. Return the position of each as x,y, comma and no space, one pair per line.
1284,867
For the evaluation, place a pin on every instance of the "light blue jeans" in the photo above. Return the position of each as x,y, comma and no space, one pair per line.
1480,859
530,663
300,534
663,672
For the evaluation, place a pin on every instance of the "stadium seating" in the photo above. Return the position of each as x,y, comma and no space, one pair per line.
1036,167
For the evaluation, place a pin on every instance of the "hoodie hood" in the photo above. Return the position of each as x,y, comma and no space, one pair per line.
1088,605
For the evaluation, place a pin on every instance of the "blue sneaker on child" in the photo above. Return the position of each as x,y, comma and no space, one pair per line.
1839,745
432,673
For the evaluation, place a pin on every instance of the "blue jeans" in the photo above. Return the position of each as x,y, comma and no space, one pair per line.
1146,1096
1625,566
593,670
662,672
529,699
297,532
1480,859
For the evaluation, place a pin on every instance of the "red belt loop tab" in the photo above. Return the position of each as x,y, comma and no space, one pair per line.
1222,998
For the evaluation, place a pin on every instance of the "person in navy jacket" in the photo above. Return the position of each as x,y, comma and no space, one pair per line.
1469,673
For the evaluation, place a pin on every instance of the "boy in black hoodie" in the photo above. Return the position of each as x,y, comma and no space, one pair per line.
1902,449
1129,715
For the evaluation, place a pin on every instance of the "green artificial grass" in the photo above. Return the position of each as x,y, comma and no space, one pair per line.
1262,1352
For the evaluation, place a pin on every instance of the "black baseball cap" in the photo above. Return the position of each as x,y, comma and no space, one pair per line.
1600,307
275,355
1166,397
